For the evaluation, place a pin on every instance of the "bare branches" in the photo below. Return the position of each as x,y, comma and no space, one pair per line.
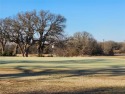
24,27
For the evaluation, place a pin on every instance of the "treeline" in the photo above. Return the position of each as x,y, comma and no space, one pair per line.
43,33
83,43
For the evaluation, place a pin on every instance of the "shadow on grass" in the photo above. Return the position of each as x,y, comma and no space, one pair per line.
112,71
116,70
102,90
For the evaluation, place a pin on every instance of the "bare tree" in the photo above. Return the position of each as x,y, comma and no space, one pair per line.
85,42
81,43
108,48
122,49
23,28
48,25
27,24
3,34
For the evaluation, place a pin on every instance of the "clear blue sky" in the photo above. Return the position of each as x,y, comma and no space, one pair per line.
104,19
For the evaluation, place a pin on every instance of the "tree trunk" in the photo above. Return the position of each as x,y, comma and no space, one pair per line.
3,44
3,49
42,48
39,45
15,49
39,50
22,52
27,50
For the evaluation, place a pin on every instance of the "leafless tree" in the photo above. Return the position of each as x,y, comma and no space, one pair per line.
85,42
27,26
48,26
108,48
3,34
122,49
21,30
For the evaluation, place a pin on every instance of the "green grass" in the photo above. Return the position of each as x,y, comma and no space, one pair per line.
62,75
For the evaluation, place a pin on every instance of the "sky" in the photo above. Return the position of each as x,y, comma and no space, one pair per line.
104,19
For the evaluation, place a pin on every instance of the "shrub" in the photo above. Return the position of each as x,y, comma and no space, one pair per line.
7,53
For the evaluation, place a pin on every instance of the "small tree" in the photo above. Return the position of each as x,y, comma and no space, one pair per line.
122,49
108,48
85,42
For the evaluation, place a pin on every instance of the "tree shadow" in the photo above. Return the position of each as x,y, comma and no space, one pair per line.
113,70
101,90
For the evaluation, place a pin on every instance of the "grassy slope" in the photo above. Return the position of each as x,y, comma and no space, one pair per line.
62,74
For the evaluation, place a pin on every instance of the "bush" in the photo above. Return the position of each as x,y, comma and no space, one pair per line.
7,53
0,54
108,48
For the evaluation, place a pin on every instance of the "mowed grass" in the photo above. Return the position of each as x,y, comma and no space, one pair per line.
61,75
